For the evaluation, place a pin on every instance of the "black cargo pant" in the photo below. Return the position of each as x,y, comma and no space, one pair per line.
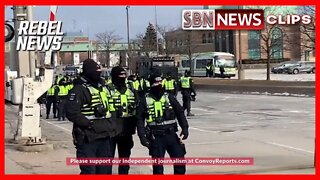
186,99
62,109
51,100
169,142
124,144
97,149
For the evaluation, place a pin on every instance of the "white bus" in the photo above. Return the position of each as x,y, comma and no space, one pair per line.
200,61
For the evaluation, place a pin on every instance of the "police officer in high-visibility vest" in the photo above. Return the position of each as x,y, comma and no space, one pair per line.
170,85
51,99
132,81
161,112
69,83
125,100
187,88
59,78
89,110
107,80
209,69
61,96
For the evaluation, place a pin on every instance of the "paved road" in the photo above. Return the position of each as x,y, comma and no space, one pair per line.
278,132
261,74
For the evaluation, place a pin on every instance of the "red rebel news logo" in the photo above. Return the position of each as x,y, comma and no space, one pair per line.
236,19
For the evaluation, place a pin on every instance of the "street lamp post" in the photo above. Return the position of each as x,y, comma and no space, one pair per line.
240,70
155,14
129,48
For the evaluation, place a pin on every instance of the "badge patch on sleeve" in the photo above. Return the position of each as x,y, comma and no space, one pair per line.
72,97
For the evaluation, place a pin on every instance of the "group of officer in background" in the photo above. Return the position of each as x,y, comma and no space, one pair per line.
106,114
56,96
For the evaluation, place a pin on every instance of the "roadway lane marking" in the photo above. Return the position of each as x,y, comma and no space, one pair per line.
290,147
201,109
203,130
58,126
203,114
205,143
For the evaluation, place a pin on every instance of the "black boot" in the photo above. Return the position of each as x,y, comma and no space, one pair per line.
55,116
47,116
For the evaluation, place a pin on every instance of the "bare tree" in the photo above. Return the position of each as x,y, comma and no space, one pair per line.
272,39
183,43
164,39
105,41
308,31
139,42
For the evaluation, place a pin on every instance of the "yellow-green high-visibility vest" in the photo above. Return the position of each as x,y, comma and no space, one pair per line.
125,102
169,84
185,82
97,98
156,109
51,90
63,91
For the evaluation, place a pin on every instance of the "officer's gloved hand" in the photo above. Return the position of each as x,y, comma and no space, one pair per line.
98,126
185,133
144,141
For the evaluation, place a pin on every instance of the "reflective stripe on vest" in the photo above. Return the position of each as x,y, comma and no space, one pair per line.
163,123
156,110
141,83
185,82
69,87
136,85
147,83
51,90
169,84
123,102
63,91
97,98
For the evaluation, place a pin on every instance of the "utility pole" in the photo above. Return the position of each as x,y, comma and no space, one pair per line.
32,65
240,70
20,13
155,14
128,36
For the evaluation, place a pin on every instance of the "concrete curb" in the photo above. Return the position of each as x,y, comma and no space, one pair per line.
35,148
260,86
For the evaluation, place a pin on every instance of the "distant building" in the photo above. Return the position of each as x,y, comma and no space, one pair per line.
289,40
76,47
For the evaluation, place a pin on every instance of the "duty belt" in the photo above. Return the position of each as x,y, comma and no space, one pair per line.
163,123
92,117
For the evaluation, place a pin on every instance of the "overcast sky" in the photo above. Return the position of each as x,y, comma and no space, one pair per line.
95,19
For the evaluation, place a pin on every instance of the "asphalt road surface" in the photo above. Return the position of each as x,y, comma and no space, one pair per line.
261,74
277,132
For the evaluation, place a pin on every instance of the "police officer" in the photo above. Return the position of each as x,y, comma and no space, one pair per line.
125,101
134,82
69,84
170,85
90,113
221,68
160,110
187,88
61,96
51,99
144,84
209,69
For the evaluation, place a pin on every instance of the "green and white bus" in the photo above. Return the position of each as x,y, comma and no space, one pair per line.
200,61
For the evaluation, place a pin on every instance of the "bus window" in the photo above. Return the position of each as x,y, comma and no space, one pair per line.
201,63
168,63
185,63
